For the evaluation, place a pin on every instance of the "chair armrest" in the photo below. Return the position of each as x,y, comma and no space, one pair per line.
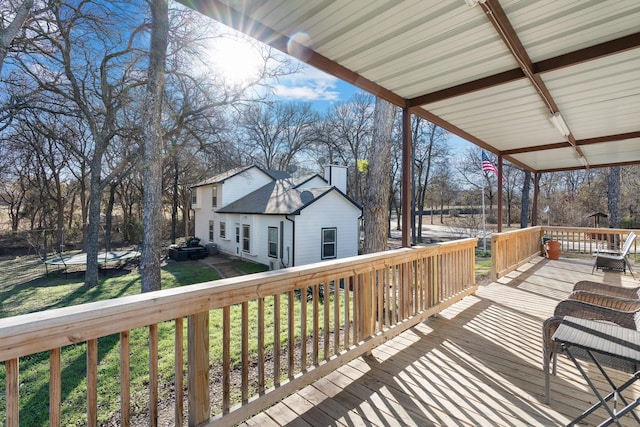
584,310
622,304
605,289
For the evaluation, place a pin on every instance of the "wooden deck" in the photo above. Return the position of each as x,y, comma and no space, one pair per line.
478,363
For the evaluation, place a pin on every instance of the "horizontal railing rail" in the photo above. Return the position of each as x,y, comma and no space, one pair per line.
279,331
587,240
511,249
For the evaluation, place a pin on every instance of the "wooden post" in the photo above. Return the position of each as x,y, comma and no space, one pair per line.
500,207
366,303
406,177
13,393
198,354
536,192
55,387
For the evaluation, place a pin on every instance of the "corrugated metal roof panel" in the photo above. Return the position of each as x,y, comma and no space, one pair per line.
549,28
404,49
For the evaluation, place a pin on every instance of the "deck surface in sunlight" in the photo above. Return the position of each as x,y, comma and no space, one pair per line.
478,363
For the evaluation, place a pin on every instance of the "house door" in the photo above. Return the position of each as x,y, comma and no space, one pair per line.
238,239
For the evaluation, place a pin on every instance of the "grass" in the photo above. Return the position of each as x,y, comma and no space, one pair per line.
26,287
483,268
248,267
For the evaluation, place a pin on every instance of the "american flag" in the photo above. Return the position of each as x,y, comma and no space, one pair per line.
487,166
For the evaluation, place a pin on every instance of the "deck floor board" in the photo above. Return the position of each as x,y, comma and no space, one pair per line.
479,363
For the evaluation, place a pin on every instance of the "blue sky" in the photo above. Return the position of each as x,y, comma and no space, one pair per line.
312,85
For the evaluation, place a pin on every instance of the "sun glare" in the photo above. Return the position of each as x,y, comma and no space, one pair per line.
237,61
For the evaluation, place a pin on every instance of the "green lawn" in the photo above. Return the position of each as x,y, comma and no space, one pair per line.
25,287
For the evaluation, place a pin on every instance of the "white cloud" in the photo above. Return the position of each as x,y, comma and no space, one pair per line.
308,85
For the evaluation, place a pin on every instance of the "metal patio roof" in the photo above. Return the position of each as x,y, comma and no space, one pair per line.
493,73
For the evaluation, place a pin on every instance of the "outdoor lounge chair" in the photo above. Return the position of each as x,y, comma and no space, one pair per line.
586,305
615,261
606,289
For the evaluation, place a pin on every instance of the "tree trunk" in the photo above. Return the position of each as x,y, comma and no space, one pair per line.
524,212
108,227
174,199
613,200
8,33
84,210
93,227
376,198
152,137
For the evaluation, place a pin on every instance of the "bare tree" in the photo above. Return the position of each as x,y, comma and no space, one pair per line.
278,134
153,146
524,211
348,128
376,197
429,149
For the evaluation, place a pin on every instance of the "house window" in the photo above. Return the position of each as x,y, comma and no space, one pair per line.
194,196
237,234
329,243
211,230
214,196
246,238
223,230
272,236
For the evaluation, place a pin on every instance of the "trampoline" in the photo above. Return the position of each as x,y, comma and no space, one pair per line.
103,258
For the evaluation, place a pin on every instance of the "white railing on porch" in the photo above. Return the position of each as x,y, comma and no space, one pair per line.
366,300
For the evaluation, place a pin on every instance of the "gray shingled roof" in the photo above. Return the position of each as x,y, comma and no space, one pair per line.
281,197
220,178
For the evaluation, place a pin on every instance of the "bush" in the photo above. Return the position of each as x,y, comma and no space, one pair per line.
626,222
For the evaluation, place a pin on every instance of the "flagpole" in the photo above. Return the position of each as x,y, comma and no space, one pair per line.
484,226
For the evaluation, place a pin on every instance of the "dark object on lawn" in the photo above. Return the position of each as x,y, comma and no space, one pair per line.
179,253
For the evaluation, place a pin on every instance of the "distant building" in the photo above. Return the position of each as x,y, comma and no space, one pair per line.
271,218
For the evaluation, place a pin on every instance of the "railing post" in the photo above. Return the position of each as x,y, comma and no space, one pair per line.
494,257
198,354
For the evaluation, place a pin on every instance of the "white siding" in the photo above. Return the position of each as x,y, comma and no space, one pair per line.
200,218
260,241
314,182
228,244
329,211
232,189
242,184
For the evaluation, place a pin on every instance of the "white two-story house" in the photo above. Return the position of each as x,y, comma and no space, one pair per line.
273,219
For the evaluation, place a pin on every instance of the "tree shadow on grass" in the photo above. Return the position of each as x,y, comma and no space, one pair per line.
35,407
30,296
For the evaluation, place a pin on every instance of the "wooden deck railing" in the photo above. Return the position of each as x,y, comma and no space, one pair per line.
320,317
585,241
511,249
